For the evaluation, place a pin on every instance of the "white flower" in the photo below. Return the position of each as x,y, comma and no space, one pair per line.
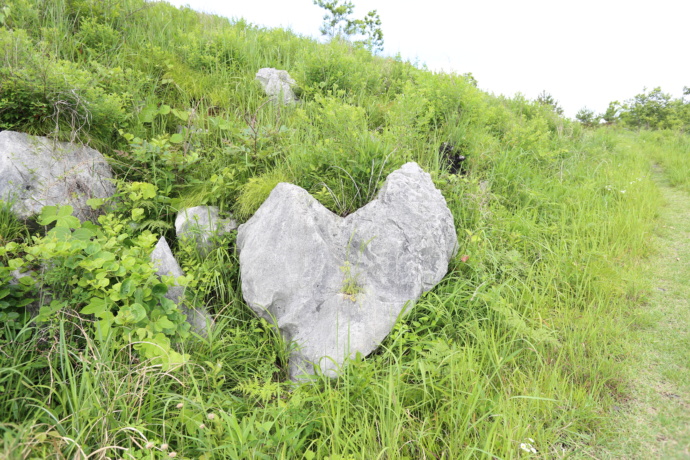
622,191
528,447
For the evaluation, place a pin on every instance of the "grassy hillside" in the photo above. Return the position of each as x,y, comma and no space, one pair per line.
517,353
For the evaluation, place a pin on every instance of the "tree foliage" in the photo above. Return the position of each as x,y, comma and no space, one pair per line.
547,99
653,109
587,117
338,22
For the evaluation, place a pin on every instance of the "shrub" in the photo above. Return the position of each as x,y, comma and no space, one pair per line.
105,271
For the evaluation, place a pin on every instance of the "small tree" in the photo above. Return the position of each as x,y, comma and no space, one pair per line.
651,109
612,112
545,98
338,22
587,117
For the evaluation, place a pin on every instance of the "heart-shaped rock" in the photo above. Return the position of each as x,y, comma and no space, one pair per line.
336,286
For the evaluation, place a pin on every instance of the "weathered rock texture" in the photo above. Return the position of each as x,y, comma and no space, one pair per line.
277,84
336,286
201,223
166,265
37,172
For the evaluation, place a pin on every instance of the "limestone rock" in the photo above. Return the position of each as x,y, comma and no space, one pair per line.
201,223
334,285
277,84
166,265
37,172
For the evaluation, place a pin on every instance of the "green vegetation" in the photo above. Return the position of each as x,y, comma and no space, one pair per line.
338,23
652,109
521,347
654,422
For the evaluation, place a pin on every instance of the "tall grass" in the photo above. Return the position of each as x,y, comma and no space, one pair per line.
671,151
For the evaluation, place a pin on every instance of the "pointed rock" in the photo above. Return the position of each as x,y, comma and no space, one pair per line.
166,265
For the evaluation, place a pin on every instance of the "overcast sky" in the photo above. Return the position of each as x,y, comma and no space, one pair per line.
584,53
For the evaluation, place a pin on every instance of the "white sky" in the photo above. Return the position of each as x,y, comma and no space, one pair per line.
584,53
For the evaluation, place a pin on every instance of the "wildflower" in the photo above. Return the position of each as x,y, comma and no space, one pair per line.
211,416
164,447
180,406
465,258
172,454
622,191
202,426
149,445
527,447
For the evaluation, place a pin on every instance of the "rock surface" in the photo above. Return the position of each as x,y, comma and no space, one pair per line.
201,223
336,286
277,84
166,265
37,172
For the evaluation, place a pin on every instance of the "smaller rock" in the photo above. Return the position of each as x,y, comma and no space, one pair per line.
277,84
201,223
166,265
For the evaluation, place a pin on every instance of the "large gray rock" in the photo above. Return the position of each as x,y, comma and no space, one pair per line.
277,84
336,286
37,172
166,265
200,224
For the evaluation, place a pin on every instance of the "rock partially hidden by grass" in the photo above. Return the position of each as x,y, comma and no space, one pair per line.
166,265
201,224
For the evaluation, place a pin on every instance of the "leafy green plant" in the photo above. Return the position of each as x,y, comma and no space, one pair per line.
105,271
160,161
17,289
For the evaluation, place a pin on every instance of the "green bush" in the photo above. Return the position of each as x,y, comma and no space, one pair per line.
105,271
42,96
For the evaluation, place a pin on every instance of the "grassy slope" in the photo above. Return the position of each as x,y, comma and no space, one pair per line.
525,340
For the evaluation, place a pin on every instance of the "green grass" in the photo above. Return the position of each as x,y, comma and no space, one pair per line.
524,342
652,420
